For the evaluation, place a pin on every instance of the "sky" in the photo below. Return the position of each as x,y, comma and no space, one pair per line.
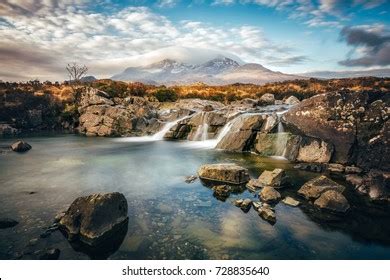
39,37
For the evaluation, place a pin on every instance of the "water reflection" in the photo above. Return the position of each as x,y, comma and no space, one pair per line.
169,219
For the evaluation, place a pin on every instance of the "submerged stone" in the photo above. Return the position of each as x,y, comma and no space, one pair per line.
290,201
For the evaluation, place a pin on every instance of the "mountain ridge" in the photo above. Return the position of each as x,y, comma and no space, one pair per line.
218,71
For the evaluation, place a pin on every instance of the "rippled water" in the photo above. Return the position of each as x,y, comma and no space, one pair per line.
169,219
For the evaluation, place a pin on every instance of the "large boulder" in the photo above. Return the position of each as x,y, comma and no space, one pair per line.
267,99
332,201
273,178
93,218
317,186
268,145
224,172
242,133
356,124
314,150
20,146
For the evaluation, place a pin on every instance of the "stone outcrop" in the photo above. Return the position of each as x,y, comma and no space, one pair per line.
315,187
273,178
242,133
20,146
224,172
91,219
332,201
356,124
102,116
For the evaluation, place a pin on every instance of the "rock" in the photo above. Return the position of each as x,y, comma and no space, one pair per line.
33,242
336,168
20,146
256,205
269,194
353,170
314,150
224,172
51,254
6,129
213,122
315,187
254,184
267,214
292,100
246,205
267,99
190,179
290,201
310,167
333,201
102,116
376,185
266,144
356,124
273,178
242,133
93,218
354,179
238,202
221,192
7,223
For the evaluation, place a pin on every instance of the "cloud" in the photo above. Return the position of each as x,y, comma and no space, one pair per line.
372,43
40,46
167,3
224,2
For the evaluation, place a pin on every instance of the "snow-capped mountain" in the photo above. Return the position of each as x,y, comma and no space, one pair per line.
218,71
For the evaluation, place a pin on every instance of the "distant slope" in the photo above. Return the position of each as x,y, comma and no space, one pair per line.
380,73
218,71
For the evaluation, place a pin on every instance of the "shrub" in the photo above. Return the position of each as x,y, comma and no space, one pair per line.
166,95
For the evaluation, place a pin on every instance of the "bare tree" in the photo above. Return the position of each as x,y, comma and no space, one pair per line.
76,72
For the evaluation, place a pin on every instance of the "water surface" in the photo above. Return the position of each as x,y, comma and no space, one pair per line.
169,219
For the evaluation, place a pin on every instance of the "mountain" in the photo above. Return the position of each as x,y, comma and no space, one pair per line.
218,71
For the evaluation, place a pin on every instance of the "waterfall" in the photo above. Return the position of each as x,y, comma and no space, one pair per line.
155,137
281,138
201,133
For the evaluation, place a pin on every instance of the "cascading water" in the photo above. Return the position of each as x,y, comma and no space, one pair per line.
155,137
281,137
201,133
